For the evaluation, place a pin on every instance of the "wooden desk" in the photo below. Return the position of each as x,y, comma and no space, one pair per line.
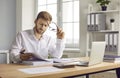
11,71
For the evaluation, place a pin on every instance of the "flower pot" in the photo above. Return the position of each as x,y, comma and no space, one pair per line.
104,8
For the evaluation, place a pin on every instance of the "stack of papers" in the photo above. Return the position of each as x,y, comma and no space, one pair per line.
38,62
111,58
65,60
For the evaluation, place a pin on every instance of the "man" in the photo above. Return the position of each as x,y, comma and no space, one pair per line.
35,43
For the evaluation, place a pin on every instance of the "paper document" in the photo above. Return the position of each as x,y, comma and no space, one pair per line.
37,63
65,60
40,70
49,61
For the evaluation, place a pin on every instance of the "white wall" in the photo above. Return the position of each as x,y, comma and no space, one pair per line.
7,26
25,14
83,26
15,15
7,23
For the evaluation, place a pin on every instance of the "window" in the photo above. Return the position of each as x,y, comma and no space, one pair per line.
50,6
66,14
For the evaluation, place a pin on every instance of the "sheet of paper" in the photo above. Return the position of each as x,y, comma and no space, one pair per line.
37,63
40,70
50,61
65,60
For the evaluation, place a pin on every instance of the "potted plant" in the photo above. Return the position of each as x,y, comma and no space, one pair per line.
103,4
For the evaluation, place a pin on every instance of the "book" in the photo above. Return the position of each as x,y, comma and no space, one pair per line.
111,58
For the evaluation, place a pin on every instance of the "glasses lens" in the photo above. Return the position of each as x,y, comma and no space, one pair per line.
52,27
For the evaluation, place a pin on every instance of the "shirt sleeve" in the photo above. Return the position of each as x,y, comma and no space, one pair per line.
15,49
56,48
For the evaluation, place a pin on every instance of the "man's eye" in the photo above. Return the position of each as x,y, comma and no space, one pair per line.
41,24
45,25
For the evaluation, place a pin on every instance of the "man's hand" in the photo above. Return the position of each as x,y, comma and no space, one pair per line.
60,33
25,56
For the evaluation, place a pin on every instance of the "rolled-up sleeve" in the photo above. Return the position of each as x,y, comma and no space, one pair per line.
57,47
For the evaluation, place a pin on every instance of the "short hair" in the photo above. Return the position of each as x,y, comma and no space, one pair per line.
44,15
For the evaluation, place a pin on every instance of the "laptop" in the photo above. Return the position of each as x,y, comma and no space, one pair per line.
96,55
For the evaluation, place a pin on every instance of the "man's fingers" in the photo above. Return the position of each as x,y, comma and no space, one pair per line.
59,30
60,33
26,56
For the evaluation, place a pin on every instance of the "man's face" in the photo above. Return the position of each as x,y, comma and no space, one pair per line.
41,25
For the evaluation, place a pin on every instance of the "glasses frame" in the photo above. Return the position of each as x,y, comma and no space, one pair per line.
53,29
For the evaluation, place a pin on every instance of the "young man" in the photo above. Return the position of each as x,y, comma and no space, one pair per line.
35,43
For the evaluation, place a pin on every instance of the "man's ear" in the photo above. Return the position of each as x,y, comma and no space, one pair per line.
35,21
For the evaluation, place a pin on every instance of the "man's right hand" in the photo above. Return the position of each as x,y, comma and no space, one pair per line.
26,56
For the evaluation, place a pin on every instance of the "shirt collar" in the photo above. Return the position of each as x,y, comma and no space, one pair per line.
33,35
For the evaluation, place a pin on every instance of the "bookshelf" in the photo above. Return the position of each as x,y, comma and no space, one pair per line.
108,11
100,35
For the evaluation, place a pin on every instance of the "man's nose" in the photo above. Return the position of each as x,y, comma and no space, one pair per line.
41,27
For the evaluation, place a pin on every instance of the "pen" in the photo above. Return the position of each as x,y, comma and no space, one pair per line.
22,52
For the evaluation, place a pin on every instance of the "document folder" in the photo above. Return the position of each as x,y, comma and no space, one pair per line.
96,21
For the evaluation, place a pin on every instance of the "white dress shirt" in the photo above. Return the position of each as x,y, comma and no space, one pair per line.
40,48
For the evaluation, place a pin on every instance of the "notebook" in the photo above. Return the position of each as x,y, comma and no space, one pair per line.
96,55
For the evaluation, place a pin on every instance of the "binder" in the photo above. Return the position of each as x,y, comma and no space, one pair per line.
115,42
100,21
110,42
89,22
106,40
92,22
96,21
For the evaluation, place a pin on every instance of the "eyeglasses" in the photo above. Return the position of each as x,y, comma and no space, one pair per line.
53,26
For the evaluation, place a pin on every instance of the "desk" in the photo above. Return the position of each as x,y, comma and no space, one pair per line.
11,71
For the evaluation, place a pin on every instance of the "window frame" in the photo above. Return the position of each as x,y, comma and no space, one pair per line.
59,18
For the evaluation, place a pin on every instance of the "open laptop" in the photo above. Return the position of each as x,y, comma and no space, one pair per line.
96,55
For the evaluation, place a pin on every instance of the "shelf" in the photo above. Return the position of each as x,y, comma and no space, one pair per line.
110,53
106,31
108,11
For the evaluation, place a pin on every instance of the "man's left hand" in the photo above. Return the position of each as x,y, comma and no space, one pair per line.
60,33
